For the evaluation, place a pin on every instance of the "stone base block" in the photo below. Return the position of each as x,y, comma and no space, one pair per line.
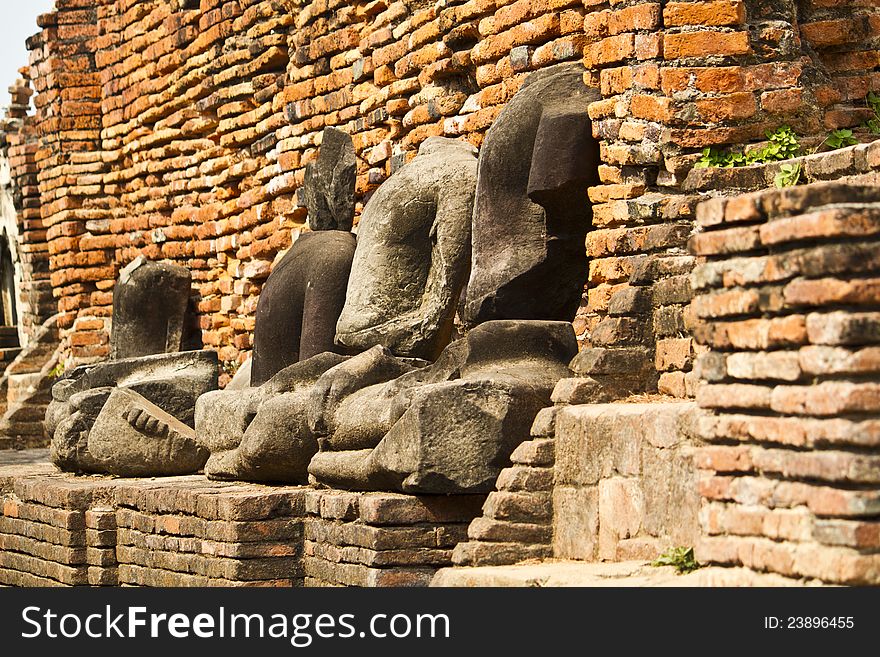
600,575
625,481
61,530
382,539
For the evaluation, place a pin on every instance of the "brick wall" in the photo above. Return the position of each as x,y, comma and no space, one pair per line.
787,304
35,303
183,133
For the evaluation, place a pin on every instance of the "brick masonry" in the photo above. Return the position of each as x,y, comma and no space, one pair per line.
183,133
382,539
18,147
26,378
787,305
625,481
59,530
517,520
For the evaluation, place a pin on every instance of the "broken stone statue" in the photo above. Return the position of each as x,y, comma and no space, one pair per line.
382,422
531,213
448,428
303,298
451,427
329,185
413,254
410,264
134,437
263,434
164,383
147,323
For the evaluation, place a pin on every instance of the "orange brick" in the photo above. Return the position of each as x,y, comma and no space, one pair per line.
727,108
616,80
705,44
822,34
609,51
721,12
784,101
651,108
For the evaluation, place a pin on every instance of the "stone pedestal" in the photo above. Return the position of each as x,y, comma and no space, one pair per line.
382,539
61,530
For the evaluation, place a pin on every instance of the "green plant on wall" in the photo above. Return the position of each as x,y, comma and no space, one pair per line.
841,138
58,371
680,558
873,124
789,175
782,144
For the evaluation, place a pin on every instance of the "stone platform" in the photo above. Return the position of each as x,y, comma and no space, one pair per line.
61,530
598,575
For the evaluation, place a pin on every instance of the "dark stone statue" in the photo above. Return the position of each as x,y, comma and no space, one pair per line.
300,303
531,213
384,419
329,186
409,267
303,298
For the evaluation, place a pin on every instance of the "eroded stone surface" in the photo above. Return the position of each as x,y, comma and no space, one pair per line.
301,302
413,254
132,437
263,434
531,213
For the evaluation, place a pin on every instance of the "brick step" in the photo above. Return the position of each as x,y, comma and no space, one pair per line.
27,412
15,429
498,554
33,360
29,388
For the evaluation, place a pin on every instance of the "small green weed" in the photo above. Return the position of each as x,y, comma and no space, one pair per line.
782,144
873,124
680,558
841,138
789,175
58,371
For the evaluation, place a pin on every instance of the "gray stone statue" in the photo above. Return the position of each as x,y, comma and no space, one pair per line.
158,379
532,214
303,298
257,432
448,428
384,419
146,322
413,254
411,261
451,427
